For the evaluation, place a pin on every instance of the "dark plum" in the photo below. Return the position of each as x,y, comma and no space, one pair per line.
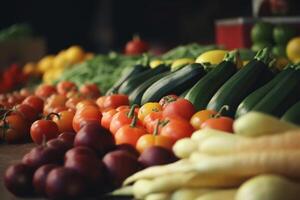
67,137
156,155
59,145
79,151
18,179
95,137
40,176
129,148
120,164
64,183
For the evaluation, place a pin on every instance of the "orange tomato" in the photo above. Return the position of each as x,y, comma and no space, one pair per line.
72,102
84,103
54,101
151,120
219,123
45,90
149,140
148,108
64,87
201,116
107,117
65,120
90,90
87,113
112,101
34,101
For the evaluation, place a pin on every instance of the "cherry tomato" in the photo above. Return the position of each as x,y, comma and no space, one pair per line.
34,101
181,107
167,99
112,101
65,120
14,128
107,117
123,108
219,123
148,140
201,116
43,129
90,90
177,128
121,118
64,87
54,101
84,103
88,113
45,90
148,108
151,120
72,102
136,46
129,133
28,112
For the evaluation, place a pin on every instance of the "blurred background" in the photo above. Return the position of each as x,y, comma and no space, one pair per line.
102,25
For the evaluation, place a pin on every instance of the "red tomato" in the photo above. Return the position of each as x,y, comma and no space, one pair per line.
120,119
28,112
167,99
151,120
90,90
129,134
200,117
64,87
136,46
45,91
88,113
43,130
181,107
34,101
148,108
219,123
107,117
112,101
85,103
65,120
14,128
177,128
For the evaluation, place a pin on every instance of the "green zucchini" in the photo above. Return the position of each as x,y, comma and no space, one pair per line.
292,114
281,97
241,84
174,83
134,81
206,87
252,99
135,96
126,74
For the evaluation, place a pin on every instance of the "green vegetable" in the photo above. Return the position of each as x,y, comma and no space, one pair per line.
175,83
130,84
206,87
252,99
292,114
15,31
242,83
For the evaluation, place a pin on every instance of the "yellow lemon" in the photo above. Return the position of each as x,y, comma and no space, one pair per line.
213,57
155,63
293,49
75,54
61,61
45,63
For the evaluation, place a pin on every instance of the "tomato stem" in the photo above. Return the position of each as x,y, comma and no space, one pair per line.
131,111
133,122
48,117
155,133
222,109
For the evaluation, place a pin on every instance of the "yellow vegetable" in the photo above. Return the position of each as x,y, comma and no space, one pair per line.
155,63
45,63
178,63
183,148
219,145
269,187
74,54
189,193
158,196
255,124
226,194
61,60
293,49
212,57
123,191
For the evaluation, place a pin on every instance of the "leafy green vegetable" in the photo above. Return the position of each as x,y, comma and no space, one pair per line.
15,31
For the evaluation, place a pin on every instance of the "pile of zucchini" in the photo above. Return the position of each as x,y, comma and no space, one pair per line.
256,86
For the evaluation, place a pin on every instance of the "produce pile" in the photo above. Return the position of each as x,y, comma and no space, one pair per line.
161,131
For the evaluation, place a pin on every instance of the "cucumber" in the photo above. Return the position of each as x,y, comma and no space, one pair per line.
281,97
135,96
126,74
175,83
241,84
251,100
206,87
292,114
134,81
